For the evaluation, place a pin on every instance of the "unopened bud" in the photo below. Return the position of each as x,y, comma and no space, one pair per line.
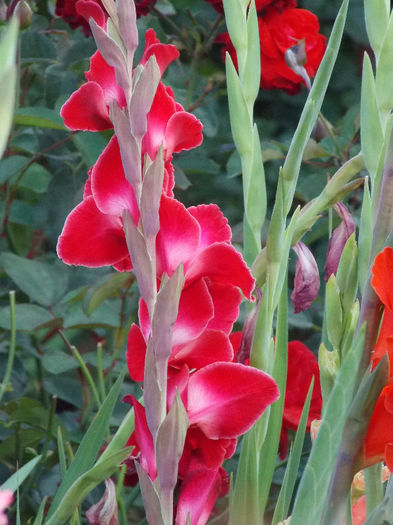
24,14
306,284
334,313
329,365
338,239
347,273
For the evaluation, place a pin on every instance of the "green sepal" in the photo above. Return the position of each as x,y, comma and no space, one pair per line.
329,365
334,312
370,124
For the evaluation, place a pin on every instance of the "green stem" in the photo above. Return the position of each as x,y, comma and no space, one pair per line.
11,353
88,376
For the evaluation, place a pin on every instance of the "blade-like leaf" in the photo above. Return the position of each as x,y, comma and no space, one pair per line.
90,445
18,478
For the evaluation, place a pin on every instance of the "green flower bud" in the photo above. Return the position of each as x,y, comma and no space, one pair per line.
329,365
334,312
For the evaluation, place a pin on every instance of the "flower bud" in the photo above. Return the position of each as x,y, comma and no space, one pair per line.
306,284
347,273
333,312
24,14
338,239
329,365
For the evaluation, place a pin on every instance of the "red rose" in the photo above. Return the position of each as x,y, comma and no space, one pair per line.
260,4
279,31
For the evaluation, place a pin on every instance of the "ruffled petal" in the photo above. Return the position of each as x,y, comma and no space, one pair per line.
91,238
86,109
225,399
91,9
223,264
164,53
214,225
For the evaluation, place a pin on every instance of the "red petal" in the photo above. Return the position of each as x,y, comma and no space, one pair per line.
143,438
112,192
382,280
178,238
198,493
86,109
183,132
195,311
164,53
136,353
380,430
226,300
226,399
223,264
90,9
214,225
208,348
385,342
302,366
91,238
104,75
162,109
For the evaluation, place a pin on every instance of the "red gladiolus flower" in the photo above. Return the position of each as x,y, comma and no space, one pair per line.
302,366
88,108
77,12
278,32
259,4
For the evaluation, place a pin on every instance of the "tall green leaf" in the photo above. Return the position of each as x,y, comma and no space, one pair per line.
90,444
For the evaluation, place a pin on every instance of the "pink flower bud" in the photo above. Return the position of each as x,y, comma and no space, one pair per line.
105,511
306,284
338,239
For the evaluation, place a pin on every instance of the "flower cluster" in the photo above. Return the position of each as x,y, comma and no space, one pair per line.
190,276
77,12
283,27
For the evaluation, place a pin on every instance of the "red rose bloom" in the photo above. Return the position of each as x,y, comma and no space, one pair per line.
260,4
278,32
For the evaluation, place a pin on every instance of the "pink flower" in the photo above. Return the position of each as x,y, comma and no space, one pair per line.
6,498
306,284
88,107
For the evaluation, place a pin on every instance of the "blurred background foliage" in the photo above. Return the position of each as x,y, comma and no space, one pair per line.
42,174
